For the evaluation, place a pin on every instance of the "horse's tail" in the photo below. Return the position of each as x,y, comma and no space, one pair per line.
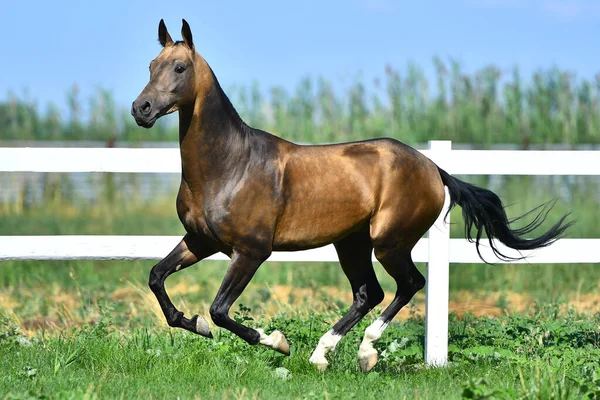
484,210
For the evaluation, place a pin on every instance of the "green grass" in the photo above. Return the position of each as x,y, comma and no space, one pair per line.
513,357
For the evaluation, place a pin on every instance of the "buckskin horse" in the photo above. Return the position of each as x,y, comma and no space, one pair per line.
247,193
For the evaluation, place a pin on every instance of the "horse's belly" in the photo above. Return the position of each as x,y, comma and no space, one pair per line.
306,231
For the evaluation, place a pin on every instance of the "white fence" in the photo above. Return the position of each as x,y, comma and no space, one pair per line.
438,250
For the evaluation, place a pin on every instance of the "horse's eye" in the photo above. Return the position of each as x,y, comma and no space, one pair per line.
179,69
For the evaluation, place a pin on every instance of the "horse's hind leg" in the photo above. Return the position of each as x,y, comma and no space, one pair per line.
398,263
189,251
354,253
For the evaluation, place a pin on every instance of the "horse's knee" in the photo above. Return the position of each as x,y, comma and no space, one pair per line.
218,315
155,282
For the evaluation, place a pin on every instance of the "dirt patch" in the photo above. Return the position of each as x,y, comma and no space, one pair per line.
52,309
42,324
461,303
8,302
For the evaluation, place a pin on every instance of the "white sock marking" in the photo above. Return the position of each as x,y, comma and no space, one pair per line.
326,344
372,335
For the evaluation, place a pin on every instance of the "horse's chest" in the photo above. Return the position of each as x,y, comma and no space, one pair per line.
227,214
189,210
202,214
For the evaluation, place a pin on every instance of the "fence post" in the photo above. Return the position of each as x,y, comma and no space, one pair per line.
438,281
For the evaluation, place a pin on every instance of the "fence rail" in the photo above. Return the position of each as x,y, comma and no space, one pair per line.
153,160
438,250
132,247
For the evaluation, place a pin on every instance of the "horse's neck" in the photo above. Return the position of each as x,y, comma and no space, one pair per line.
213,139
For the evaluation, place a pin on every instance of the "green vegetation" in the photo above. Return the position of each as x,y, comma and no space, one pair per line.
541,356
483,107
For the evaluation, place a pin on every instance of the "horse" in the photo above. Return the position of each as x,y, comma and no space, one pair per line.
246,193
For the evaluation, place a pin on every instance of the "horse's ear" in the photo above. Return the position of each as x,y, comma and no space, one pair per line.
186,33
163,35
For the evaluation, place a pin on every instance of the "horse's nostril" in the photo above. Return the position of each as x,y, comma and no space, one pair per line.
146,107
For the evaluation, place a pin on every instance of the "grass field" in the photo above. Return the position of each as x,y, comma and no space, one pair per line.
548,354
92,329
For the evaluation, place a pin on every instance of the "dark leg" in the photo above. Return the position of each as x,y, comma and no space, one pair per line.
190,250
240,272
398,263
354,252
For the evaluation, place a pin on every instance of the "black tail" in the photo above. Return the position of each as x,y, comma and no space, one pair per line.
483,209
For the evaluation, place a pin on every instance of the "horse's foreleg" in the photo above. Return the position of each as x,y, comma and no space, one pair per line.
190,250
240,272
354,252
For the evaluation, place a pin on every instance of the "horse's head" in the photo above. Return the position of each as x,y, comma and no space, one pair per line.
172,82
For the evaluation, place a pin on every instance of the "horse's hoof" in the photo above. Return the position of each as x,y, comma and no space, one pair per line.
201,326
280,343
321,366
275,340
319,362
367,362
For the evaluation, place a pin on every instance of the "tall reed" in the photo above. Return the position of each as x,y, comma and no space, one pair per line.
490,105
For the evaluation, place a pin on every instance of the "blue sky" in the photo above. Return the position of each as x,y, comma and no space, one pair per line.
49,46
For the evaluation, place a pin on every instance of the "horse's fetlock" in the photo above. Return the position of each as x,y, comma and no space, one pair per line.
174,320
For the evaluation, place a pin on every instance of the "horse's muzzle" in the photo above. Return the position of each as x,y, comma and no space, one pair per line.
141,110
